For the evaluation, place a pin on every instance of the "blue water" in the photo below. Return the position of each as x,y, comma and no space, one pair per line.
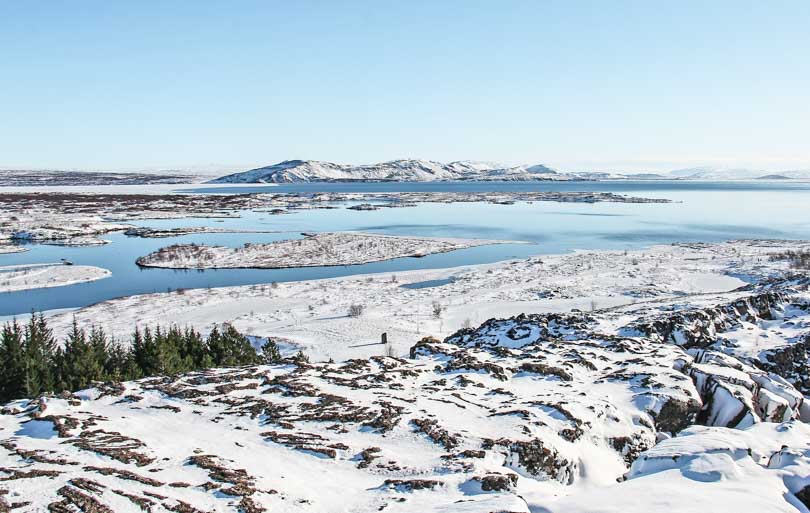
703,211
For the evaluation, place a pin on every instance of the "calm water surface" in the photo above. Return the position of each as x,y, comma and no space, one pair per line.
703,211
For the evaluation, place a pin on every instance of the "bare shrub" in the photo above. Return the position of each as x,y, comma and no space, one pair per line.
438,309
356,310
797,259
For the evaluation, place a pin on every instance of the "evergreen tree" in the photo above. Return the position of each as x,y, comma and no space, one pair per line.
231,348
194,353
146,352
121,364
99,353
12,363
39,357
301,357
270,353
169,343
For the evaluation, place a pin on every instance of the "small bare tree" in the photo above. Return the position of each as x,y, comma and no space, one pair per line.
438,309
356,310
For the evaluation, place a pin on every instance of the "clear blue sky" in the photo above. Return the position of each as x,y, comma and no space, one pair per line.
109,84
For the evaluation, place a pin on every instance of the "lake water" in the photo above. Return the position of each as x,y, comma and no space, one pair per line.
703,211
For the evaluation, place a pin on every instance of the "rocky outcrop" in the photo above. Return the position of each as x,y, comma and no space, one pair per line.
700,327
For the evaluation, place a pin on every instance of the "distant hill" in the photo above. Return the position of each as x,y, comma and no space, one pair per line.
417,170
28,178
404,170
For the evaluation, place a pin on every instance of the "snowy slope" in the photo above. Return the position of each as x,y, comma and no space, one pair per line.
554,412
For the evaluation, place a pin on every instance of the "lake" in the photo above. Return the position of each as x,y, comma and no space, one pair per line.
701,212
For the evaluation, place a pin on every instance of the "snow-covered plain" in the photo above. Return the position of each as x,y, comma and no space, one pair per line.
319,249
37,276
314,314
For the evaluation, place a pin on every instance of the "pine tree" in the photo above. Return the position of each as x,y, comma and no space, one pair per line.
169,345
121,364
68,359
39,357
301,357
12,363
146,352
270,353
99,353
233,349
194,352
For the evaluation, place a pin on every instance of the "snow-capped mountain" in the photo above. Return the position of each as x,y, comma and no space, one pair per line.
403,170
288,171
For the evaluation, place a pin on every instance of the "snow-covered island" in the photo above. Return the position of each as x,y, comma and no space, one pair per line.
37,276
321,249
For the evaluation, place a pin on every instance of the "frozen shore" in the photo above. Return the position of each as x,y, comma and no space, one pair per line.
315,314
320,249
36,276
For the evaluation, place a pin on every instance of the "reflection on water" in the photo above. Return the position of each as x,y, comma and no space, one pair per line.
702,211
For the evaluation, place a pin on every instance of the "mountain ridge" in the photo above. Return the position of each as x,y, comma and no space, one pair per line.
404,170
421,170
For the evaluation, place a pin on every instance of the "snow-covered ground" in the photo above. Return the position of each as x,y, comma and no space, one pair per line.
38,276
315,314
643,387
320,249
537,413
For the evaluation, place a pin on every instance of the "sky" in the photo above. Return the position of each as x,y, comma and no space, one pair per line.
634,85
